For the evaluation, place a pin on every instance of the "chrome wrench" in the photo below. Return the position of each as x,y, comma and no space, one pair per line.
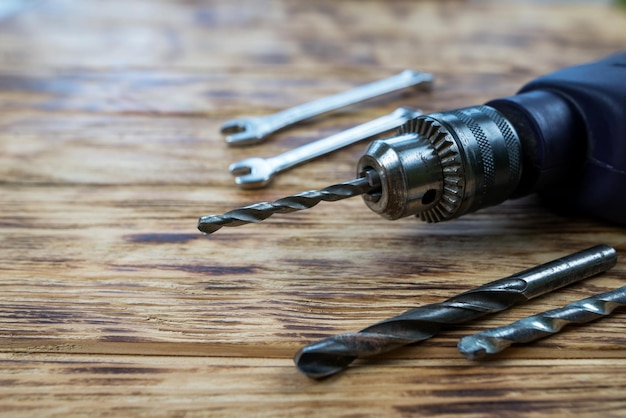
254,173
252,130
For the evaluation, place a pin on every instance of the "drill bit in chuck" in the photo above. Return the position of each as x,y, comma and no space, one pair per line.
259,211
542,325
333,354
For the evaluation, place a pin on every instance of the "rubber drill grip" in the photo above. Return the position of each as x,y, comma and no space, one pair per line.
597,91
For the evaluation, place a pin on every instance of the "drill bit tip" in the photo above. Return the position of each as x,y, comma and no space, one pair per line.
331,355
475,349
209,224
321,359
258,212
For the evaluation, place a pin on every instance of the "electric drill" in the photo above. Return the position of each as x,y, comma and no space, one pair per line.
562,135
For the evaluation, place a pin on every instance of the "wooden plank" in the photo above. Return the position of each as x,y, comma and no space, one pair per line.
125,270
112,303
168,386
246,35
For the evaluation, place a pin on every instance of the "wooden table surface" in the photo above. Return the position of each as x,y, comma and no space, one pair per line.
113,304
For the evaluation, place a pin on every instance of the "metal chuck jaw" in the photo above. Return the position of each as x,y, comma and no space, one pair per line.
444,165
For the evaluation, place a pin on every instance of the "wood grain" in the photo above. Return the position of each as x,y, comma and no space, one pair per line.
125,385
113,304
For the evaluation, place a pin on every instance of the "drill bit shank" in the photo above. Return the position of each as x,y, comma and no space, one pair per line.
331,355
542,325
301,201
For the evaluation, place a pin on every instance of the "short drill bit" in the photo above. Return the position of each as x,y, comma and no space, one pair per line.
333,354
301,201
541,325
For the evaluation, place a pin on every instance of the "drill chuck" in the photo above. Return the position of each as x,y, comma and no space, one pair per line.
562,135
444,165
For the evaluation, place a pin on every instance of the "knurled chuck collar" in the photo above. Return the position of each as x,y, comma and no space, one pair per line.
443,165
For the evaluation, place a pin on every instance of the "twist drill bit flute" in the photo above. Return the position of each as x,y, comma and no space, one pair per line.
542,325
333,354
260,211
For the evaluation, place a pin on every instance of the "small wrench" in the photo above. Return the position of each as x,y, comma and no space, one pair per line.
254,173
252,130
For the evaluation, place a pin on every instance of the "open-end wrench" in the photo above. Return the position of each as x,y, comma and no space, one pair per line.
253,173
252,130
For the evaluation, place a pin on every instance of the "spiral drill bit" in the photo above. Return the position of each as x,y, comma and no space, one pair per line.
541,325
333,354
301,201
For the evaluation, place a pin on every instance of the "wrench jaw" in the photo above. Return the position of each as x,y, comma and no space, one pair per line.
252,173
244,131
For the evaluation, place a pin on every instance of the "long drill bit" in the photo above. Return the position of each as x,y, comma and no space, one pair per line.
301,201
333,354
541,325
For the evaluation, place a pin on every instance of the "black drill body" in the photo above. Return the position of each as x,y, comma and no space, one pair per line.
572,124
